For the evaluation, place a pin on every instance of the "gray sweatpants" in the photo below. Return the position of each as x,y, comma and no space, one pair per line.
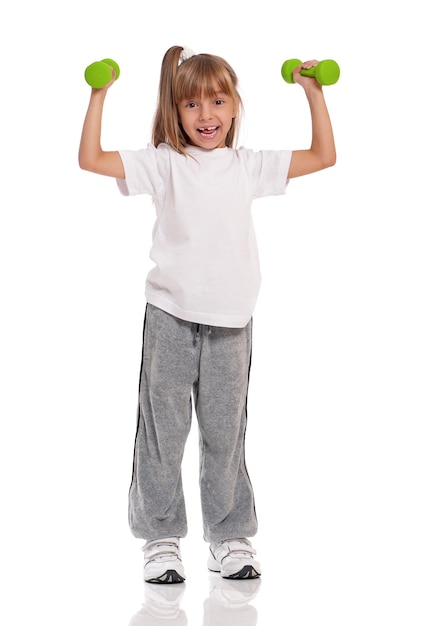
184,361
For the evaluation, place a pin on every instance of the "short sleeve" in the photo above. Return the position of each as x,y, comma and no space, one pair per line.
145,171
272,172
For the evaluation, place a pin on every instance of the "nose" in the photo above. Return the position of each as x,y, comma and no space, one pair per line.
205,112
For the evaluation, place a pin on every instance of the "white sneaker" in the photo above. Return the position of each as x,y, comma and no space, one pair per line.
163,561
233,558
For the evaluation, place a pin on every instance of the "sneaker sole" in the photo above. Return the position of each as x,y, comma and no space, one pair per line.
246,572
169,577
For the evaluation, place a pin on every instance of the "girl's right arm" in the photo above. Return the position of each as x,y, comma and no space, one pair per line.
91,157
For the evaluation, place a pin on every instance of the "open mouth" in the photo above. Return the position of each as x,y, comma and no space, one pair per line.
208,131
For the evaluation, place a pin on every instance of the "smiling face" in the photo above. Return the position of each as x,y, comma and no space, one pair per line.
207,119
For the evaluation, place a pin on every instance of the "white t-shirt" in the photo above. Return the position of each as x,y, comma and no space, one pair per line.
204,246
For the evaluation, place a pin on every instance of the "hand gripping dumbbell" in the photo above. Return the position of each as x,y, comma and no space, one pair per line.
99,74
325,72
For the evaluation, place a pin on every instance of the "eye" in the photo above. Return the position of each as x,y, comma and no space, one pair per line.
190,105
219,101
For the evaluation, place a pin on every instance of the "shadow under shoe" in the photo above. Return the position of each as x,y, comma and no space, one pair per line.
229,602
161,607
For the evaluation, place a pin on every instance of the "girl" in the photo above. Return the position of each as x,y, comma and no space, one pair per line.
200,298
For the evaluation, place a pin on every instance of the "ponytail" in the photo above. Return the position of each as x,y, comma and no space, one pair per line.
166,128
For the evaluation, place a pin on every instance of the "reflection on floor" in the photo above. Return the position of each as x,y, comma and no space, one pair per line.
228,604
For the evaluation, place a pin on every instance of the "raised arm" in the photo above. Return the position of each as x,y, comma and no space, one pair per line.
91,157
322,153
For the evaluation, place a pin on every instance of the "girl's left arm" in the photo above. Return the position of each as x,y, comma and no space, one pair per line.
322,153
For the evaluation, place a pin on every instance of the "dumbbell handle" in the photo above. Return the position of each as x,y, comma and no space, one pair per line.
326,72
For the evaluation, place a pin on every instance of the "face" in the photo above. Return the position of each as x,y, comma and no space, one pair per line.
206,121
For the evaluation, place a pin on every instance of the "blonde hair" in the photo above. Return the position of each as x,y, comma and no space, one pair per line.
198,75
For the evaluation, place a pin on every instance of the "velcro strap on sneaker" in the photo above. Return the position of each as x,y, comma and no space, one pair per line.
234,547
160,548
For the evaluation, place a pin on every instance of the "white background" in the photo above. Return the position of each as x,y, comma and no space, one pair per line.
335,442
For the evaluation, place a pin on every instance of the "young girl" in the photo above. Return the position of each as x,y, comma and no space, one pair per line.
200,298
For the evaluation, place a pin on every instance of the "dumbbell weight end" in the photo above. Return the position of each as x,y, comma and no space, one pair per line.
99,73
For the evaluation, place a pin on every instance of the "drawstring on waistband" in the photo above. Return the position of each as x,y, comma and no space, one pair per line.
198,331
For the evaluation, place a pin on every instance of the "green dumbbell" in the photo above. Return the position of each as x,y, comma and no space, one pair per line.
99,74
326,72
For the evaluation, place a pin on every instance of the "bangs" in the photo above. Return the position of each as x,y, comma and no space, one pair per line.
204,75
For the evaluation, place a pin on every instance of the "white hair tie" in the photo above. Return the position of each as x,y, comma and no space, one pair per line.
185,54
